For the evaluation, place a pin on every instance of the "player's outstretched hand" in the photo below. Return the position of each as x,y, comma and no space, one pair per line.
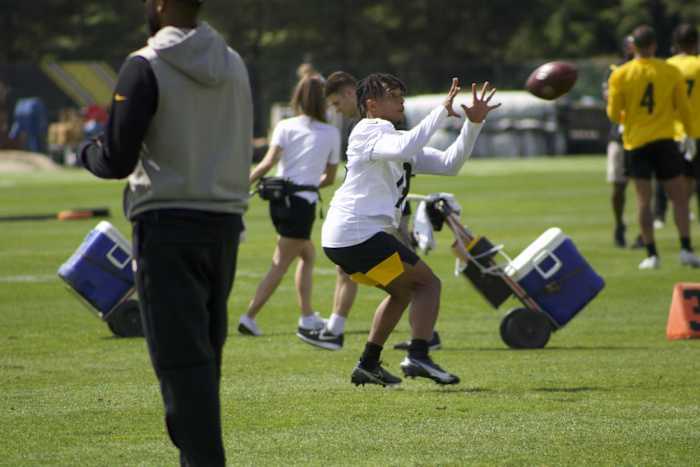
480,106
449,100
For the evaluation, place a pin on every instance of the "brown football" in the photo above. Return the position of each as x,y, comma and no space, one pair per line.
552,80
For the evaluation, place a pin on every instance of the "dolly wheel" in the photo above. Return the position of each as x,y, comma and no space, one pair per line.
125,320
522,328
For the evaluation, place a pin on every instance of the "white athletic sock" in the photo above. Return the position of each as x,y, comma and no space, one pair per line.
336,324
309,322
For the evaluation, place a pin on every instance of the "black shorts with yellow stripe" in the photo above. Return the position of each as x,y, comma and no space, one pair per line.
376,262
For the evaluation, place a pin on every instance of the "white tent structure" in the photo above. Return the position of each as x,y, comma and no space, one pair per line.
523,126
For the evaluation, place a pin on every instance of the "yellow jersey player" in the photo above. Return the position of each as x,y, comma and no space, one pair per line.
646,94
615,157
685,42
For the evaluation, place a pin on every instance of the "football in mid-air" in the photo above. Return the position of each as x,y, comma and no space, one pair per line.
552,80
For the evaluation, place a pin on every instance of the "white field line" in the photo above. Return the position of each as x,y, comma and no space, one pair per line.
27,279
45,278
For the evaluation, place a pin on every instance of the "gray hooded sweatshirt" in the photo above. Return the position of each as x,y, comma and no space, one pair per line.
197,151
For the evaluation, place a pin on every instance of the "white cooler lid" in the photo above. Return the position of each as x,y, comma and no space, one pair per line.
524,262
111,231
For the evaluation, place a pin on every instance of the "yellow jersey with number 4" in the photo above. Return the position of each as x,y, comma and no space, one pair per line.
690,69
646,95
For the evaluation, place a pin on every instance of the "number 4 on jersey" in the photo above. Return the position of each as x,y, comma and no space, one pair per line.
648,98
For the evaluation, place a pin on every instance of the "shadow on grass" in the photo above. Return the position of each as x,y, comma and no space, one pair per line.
546,349
12,367
120,338
602,347
235,334
460,390
482,390
570,390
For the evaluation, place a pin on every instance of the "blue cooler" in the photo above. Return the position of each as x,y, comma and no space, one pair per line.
556,276
100,269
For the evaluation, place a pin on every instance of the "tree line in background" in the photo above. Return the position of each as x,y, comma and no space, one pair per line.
423,41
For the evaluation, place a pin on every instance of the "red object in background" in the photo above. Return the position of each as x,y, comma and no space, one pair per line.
95,112
684,314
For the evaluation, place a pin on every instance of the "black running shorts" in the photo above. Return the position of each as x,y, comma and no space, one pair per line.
376,261
294,219
661,158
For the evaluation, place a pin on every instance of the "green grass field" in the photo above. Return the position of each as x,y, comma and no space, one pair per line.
609,389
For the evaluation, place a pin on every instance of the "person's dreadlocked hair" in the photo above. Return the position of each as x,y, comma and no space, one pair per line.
376,86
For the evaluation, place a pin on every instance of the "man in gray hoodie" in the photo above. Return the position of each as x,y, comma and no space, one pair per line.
180,128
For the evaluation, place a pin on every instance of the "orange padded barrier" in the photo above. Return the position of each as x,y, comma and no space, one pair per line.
684,315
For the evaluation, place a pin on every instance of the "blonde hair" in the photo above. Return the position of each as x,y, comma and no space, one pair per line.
308,98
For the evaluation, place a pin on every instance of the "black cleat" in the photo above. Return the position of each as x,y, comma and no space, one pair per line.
619,236
362,376
322,338
426,368
434,343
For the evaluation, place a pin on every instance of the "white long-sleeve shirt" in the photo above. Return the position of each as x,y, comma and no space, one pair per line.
371,198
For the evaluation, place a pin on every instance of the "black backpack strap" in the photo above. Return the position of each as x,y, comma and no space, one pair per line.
294,188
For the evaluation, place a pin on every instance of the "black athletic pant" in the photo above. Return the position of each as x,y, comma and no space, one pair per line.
186,262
